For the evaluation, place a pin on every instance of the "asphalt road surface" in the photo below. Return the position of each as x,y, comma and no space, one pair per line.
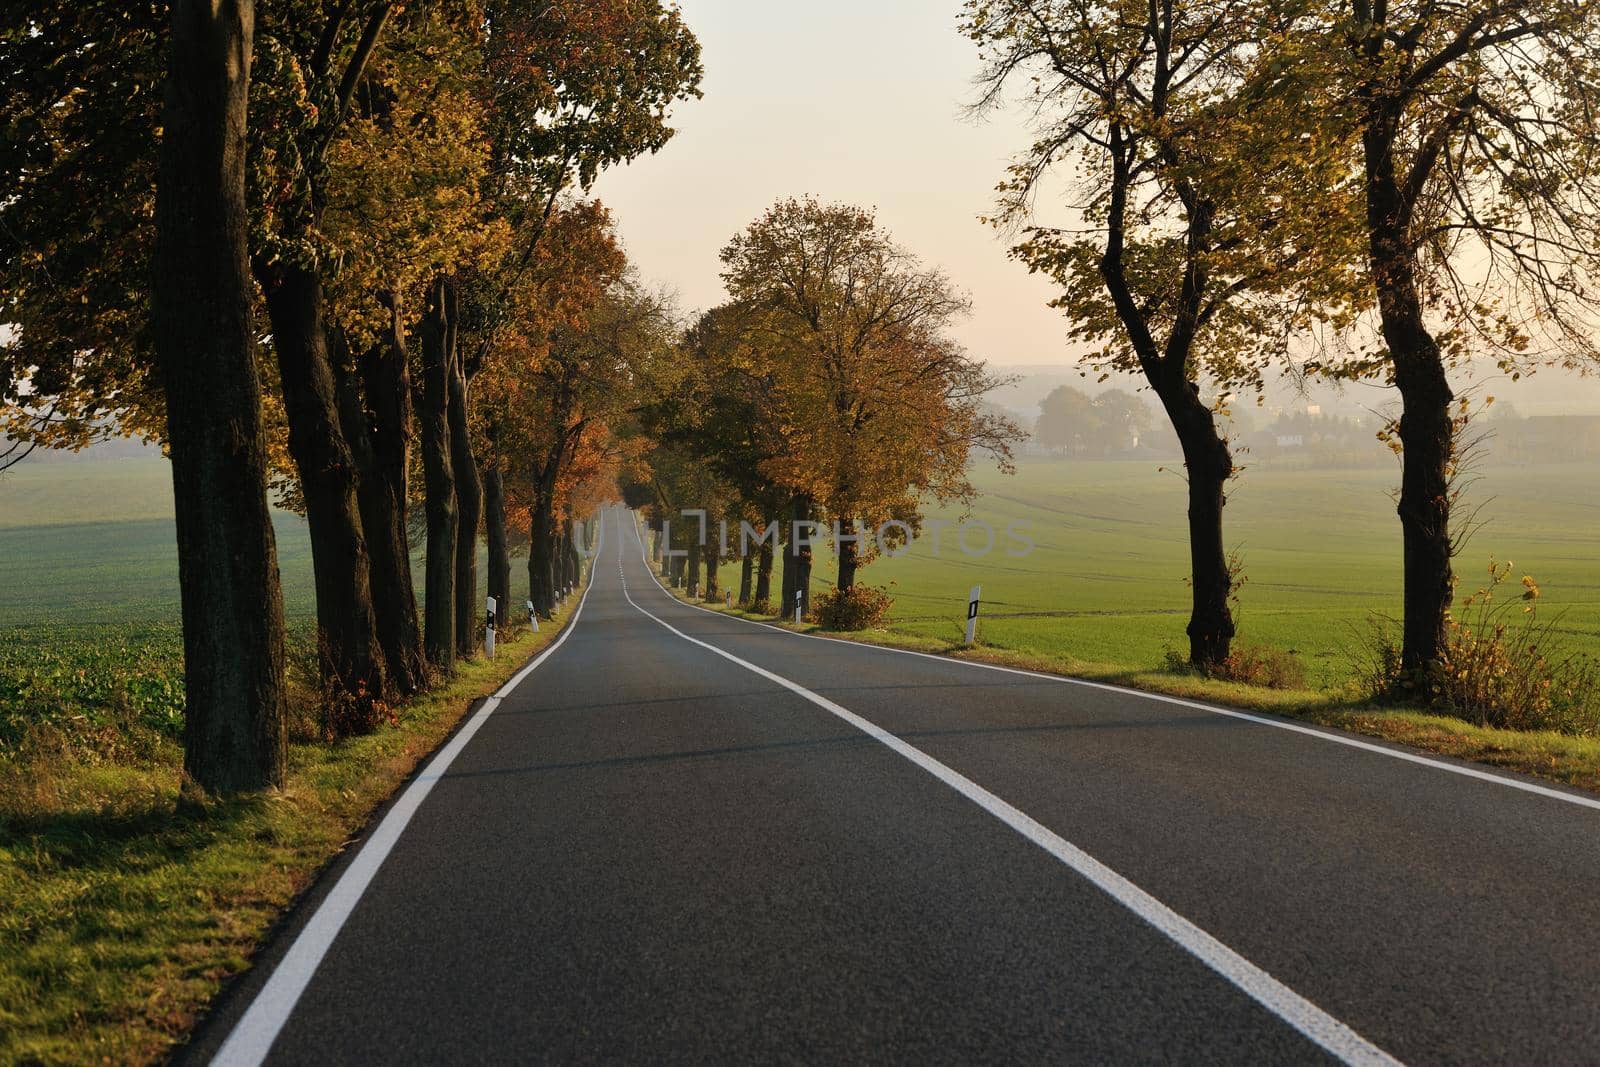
685,837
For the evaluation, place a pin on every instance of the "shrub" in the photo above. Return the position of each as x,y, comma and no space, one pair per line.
1498,668
861,607
1249,664
1261,665
759,607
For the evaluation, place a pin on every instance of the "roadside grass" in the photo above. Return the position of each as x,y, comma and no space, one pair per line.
123,911
1562,758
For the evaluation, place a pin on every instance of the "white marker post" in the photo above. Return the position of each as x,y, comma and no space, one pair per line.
533,617
799,606
488,630
972,612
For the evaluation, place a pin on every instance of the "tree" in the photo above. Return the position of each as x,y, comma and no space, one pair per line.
378,187
402,207
1123,419
550,377
235,730
1067,421
438,329
318,60
877,405
1473,129
489,441
569,89
1186,263
717,404
77,234
121,272
89,366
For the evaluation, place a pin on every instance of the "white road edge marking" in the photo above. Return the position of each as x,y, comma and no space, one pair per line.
1214,709
252,1036
1322,1029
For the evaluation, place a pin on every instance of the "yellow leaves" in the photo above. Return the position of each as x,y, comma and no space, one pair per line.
405,174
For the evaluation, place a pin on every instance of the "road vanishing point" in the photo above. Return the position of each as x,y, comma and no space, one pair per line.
678,836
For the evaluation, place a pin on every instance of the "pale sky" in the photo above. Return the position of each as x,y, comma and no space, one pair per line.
855,101
863,101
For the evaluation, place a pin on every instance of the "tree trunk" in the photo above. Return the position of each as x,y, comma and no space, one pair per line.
1428,443
713,561
375,410
439,485
541,562
692,585
563,560
494,525
849,557
542,576
796,562
574,561
1209,465
235,735
353,681
763,593
746,569
469,507
1206,456
1427,434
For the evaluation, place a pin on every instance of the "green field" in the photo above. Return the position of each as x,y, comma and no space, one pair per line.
89,608
87,559
1321,552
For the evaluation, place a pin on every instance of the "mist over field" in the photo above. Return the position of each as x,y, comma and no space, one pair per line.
1548,392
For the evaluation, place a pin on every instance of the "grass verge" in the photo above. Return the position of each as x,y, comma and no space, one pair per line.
1562,758
122,913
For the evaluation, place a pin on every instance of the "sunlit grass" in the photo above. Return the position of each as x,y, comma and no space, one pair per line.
1105,582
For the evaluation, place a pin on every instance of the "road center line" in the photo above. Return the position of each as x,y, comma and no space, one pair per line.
252,1036
1322,1029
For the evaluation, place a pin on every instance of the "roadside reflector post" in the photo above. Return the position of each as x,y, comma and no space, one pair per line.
488,630
727,599
972,612
799,604
533,617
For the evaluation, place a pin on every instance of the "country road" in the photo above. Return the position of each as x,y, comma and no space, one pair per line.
685,837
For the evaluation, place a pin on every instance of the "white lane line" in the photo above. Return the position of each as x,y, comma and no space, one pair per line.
1244,716
1327,1032
253,1035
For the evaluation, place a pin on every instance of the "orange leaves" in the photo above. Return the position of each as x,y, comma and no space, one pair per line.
846,332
